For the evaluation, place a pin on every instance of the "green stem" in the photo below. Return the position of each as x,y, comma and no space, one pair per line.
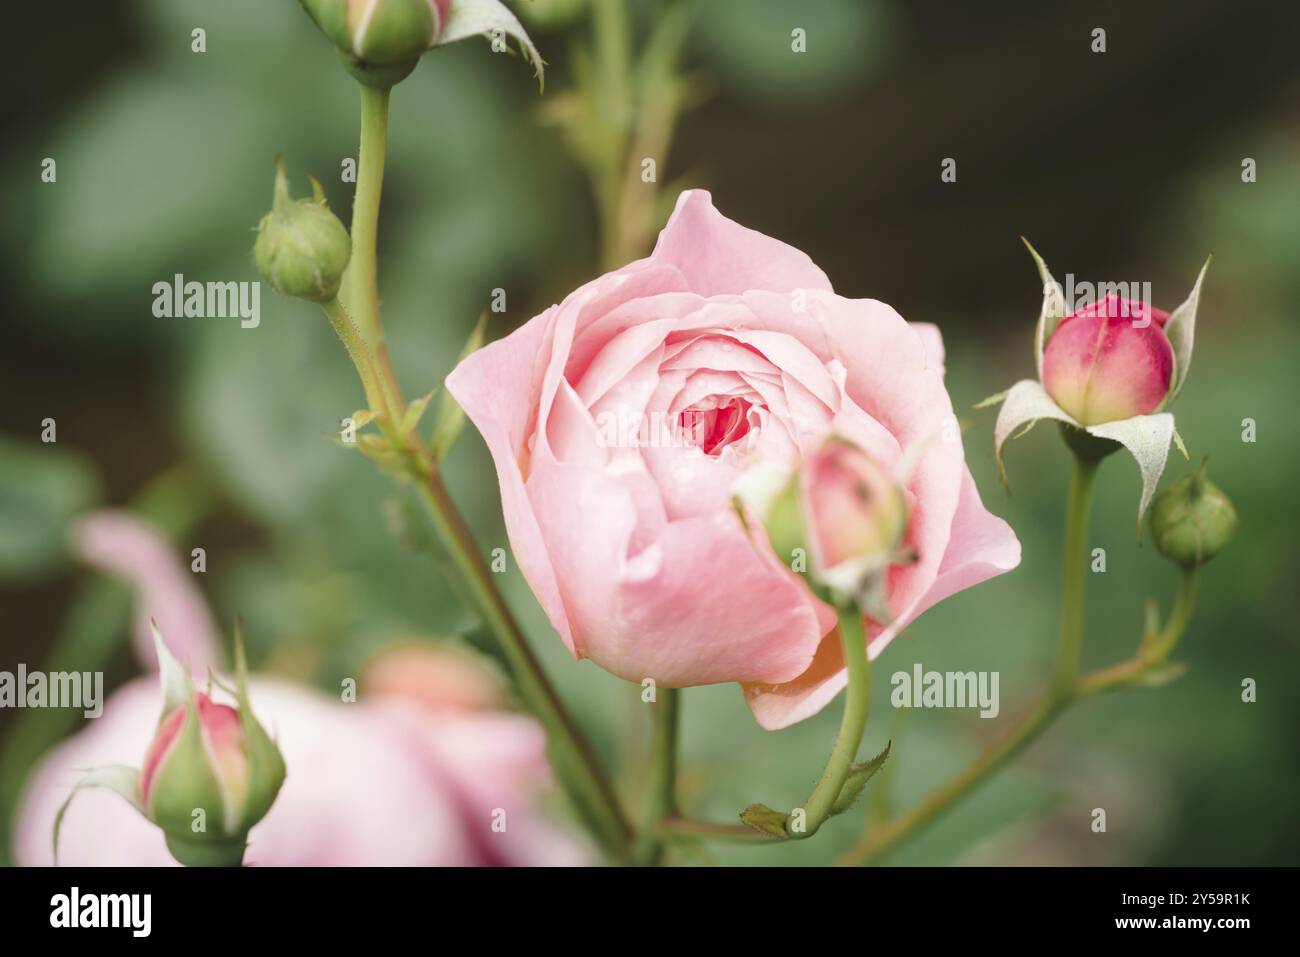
358,352
1152,654
574,764
885,838
690,829
613,55
857,699
661,801
1074,564
361,282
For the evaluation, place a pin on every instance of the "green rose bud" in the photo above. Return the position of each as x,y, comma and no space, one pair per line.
380,41
302,248
1192,520
210,773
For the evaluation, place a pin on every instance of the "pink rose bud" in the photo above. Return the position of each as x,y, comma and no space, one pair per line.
856,510
849,516
209,775
1110,360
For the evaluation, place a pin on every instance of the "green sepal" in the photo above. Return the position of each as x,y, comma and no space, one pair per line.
177,688
266,769
185,782
766,820
118,778
451,417
859,775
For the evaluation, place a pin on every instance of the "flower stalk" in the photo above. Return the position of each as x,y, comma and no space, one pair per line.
1149,665
356,320
661,798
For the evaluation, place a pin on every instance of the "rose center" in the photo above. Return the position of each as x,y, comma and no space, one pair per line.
717,422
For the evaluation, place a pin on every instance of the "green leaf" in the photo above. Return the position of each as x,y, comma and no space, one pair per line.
43,488
857,780
451,417
763,818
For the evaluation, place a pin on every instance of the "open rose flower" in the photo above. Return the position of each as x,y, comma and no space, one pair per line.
621,420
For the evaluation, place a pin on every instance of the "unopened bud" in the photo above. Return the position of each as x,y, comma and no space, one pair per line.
302,248
1192,520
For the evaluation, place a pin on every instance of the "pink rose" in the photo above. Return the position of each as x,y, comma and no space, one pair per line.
1110,360
621,419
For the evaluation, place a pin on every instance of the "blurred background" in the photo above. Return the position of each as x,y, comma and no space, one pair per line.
1125,165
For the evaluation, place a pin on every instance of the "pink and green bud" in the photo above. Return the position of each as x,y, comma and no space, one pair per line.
208,777
210,773
380,40
849,516
1108,361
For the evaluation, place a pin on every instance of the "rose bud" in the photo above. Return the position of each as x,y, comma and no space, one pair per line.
203,758
381,41
849,516
1192,520
1110,360
209,775
302,248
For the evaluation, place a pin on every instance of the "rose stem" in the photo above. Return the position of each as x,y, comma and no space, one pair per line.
575,765
1066,686
857,700
661,799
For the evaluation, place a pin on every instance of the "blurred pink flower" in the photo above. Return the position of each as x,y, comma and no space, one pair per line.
421,774
128,547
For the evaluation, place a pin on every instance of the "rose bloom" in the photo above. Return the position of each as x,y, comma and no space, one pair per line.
1110,360
620,420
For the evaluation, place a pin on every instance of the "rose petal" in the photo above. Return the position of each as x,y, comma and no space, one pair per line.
718,256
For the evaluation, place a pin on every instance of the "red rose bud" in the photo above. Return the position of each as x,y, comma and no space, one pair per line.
1110,360
849,516
210,774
